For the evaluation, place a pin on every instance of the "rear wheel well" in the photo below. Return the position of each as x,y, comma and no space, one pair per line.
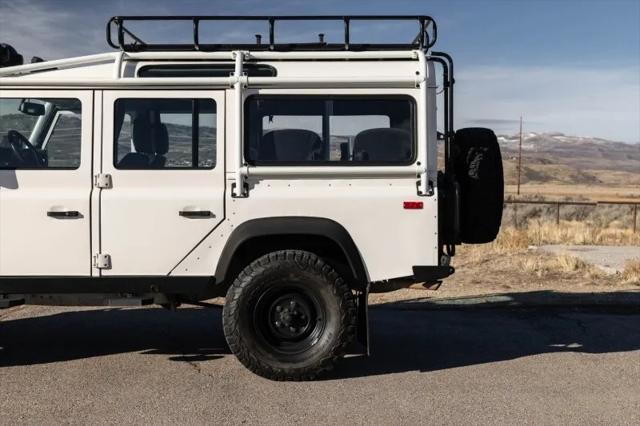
323,247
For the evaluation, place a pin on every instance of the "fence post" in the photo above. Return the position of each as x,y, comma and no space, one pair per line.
515,215
557,213
635,218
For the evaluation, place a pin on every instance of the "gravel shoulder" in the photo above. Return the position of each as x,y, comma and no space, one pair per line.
611,259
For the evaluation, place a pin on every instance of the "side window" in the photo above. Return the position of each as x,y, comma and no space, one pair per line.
342,130
165,134
40,133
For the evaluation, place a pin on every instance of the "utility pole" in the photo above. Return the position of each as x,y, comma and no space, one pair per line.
520,155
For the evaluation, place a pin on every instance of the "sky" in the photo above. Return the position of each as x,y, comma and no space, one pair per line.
570,66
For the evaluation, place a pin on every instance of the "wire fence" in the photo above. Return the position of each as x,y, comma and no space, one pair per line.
558,204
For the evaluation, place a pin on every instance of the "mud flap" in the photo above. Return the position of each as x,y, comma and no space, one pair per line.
362,332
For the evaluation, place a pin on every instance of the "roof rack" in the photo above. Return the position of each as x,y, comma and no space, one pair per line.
425,39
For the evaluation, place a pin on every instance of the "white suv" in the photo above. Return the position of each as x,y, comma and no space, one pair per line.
292,178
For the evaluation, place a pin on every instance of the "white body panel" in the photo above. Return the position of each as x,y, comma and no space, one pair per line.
31,243
390,239
137,223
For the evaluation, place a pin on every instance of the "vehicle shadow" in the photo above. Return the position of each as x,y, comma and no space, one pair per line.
404,336
188,334
412,336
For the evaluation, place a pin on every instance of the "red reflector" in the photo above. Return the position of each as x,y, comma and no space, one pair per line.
413,205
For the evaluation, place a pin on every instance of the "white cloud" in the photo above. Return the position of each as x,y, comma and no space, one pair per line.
575,100
46,30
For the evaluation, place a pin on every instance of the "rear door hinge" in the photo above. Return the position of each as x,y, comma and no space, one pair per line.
103,181
102,261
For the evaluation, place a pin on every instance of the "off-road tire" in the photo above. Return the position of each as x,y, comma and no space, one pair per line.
478,170
304,272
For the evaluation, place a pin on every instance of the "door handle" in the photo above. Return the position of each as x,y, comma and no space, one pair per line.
63,214
196,214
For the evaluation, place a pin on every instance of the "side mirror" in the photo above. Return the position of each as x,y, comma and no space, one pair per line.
31,108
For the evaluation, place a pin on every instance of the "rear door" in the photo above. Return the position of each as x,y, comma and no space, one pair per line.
164,152
45,186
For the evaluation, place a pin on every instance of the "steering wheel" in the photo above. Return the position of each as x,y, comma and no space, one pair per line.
18,141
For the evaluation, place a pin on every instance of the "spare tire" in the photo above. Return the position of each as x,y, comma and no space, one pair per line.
477,165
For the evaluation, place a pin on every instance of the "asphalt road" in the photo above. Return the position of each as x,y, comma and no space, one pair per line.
123,366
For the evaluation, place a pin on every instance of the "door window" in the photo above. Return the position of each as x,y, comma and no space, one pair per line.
165,133
40,133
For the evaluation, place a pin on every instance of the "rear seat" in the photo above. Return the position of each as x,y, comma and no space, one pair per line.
290,145
382,144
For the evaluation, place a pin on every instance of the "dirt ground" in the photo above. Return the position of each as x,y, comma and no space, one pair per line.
483,271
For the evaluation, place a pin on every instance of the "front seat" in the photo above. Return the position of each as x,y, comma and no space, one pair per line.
151,143
290,145
160,146
382,145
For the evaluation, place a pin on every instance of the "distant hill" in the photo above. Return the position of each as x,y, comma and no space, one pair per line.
559,158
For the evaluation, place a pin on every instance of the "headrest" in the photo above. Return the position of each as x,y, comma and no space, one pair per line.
290,145
150,138
141,135
384,144
161,140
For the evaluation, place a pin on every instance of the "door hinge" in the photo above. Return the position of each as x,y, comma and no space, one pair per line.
102,261
103,181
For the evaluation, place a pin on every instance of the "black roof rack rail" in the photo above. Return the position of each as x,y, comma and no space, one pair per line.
425,39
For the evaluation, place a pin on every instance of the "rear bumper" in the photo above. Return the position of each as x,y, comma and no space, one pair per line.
429,274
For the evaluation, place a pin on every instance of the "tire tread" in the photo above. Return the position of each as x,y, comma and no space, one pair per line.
305,261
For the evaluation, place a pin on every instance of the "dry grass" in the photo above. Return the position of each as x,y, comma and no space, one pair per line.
535,265
574,232
631,273
513,245
568,232
509,240
564,264
567,263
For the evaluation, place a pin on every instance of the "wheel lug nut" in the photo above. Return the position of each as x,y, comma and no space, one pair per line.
293,303
278,308
278,324
292,329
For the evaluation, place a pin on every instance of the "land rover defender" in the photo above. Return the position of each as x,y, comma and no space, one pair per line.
291,177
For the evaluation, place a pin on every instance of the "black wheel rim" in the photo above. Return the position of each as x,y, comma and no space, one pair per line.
289,319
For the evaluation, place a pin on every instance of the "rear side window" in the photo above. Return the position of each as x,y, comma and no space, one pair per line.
292,130
165,134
